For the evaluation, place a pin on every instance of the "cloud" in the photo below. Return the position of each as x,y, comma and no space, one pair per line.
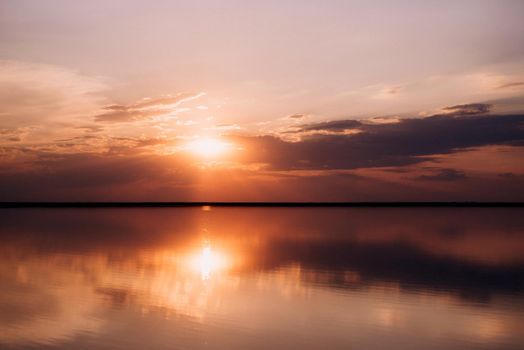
41,102
145,108
444,175
37,93
467,109
516,84
335,125
12,135
383,120
168,100
226,127
91,128
127,115
296,116
324,163
409,141
510,175
389,92
129,174
119,176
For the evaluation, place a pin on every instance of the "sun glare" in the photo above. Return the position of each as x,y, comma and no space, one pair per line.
208,147
208,261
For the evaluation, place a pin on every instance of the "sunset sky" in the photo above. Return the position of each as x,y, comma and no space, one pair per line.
356,100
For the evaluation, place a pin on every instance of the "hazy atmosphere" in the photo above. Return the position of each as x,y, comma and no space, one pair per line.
262,175
289,100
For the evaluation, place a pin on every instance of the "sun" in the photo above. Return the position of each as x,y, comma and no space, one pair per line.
208,147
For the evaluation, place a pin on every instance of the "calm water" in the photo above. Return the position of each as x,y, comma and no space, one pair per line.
288,278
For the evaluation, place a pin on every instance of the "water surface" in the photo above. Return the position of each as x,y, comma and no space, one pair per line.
262,278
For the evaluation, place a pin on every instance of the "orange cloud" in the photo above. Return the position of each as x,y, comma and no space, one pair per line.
145,108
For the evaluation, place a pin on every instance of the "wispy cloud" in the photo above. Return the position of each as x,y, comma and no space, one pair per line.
515,84
444,175
335,125
389,92
145,108
467,109
36,93
296,116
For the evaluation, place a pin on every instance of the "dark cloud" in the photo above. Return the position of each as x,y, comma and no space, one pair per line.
120,176
336,125
296,116
467,109
89,176
445,175
317,167
512,176
407,142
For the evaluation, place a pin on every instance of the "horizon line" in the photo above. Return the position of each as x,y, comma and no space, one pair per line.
160,204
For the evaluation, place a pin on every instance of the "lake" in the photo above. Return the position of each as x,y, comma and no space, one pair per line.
262,278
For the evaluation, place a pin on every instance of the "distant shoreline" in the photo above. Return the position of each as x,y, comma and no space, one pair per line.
260,204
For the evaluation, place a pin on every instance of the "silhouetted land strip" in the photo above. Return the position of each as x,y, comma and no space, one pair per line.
256,204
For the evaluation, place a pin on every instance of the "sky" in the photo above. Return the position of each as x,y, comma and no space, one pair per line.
262,101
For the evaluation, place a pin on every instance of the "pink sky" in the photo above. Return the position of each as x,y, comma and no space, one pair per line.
291,100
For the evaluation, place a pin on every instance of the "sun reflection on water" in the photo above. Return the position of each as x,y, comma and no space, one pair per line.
209,261
245,282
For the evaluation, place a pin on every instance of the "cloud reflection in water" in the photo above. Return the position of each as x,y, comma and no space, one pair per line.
262,278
